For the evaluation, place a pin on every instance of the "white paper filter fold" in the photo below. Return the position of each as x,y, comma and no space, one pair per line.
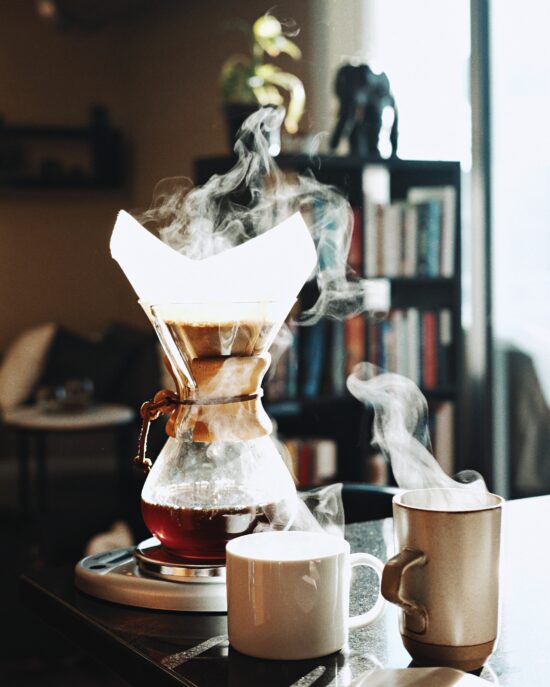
271,267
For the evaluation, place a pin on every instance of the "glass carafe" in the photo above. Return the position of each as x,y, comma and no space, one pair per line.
220,474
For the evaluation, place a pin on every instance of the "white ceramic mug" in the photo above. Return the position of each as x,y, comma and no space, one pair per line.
288,594
445,576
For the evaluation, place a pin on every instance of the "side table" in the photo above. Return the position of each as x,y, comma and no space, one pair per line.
32,427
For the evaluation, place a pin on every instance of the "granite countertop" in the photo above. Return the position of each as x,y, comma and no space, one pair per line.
191,649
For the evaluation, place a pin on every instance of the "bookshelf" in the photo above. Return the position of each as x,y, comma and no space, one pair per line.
401,184
35,157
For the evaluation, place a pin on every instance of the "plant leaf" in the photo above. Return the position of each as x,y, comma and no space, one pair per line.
297,95
268,33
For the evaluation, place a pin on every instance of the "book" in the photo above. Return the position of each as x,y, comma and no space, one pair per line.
444,348
292,363
443,443
402,248
428,238
338,358
373,340
446,195
429,349
380,218
312,358
355,257
390,343
383,329
401,348
410,240
370,242
413,345
391,241
354,332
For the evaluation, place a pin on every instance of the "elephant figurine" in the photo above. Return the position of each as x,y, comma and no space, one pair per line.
363,95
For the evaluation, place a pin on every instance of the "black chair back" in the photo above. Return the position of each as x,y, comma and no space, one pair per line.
367,501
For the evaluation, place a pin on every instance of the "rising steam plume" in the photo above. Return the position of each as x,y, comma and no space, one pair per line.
400,429
249,200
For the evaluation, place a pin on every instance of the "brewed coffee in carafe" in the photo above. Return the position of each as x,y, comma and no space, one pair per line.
220,475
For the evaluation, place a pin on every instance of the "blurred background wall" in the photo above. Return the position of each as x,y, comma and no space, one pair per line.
157,73
155,67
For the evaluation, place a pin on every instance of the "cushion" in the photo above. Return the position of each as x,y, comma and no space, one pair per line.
23,363
72,356
139,379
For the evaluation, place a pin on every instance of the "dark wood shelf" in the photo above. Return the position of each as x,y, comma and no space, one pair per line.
424,292
295,406
33,157
345,171
444,393
343,162
48,184
73,133
414,282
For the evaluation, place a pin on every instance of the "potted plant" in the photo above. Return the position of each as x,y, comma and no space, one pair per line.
248,81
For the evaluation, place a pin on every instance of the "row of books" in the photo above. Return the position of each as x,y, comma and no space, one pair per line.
319,360
412,238
414,343
312,461
416,236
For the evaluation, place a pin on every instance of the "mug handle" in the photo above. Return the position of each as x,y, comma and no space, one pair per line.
373,613
395,568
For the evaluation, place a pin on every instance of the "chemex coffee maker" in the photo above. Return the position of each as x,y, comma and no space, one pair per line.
219,475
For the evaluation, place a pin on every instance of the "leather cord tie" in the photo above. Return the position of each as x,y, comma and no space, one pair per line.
164,403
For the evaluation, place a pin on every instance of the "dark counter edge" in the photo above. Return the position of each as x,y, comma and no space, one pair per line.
100,643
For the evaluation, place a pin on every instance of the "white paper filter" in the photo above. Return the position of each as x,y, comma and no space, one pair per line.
271,267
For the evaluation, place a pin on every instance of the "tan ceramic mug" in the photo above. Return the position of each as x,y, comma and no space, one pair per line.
445,577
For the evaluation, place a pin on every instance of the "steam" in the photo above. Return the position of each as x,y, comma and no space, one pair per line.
315,510
250,199
400,429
